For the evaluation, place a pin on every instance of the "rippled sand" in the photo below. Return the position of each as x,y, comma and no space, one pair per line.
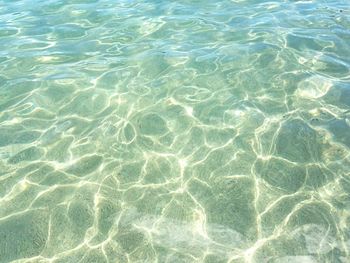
174,131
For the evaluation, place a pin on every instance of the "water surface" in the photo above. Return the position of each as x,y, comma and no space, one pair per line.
174,131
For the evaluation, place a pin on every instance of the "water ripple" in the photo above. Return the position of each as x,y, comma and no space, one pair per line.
190,131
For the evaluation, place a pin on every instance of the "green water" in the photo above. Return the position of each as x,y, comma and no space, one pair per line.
175,131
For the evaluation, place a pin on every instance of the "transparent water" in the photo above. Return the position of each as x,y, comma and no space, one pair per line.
174,131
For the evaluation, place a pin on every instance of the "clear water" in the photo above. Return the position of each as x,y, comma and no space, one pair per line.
174,131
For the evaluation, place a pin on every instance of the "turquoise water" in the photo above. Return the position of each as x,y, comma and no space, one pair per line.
174,131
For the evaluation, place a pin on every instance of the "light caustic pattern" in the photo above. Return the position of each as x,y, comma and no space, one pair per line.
174,131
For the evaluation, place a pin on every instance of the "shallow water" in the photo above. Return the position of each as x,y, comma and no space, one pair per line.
174,131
